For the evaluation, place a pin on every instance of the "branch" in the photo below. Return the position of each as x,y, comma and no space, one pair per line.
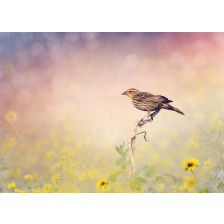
132,141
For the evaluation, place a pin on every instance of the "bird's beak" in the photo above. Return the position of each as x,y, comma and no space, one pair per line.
124,93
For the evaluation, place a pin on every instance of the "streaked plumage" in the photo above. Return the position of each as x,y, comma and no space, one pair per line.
148,102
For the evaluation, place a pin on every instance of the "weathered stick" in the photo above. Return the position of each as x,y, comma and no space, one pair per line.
132,141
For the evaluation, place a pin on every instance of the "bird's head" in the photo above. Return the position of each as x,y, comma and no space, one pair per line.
131,92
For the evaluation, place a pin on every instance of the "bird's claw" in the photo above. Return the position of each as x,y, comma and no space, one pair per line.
150,118
140,123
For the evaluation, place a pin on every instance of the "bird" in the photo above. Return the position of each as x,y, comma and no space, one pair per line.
148,102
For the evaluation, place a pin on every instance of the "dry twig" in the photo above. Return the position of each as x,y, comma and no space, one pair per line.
132,141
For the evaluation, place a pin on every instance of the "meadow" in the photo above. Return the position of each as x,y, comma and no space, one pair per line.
64,125
56,163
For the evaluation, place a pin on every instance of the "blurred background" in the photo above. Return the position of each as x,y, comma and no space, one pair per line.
66,91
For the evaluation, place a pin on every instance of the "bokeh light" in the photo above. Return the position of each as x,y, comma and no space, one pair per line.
66,91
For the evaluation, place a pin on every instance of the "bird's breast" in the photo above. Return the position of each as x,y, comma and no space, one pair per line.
140,105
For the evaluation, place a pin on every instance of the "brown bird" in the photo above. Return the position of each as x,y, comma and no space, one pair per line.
149,102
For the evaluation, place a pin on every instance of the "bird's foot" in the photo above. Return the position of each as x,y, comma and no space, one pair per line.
150,118
140,123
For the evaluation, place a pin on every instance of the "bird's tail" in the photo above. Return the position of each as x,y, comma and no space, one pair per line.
169,107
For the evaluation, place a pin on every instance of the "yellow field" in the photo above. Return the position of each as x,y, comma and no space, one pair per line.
64,125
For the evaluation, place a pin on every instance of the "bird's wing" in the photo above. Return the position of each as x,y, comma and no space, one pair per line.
164,99
148,97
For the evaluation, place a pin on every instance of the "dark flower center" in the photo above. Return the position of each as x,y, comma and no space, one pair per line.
190,164
102,183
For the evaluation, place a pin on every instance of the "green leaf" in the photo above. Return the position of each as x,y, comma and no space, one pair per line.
204,190
126,151
158,178
140,180
146,171
168,177
150,171
114,176
220,185
123,165
4,168
119,161
137,183
119,150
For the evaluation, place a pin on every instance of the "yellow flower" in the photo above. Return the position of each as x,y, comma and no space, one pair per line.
191,190
168,178
194,142
58,165
190,182
160,186
37,190
222,143
46,187
219,125
208,164
182,188
102,184
28,178
50,154
175,187
55,178
191,164
21,191
11,116
12,186
9,143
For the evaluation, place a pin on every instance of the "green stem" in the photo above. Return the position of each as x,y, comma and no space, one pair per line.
196,179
